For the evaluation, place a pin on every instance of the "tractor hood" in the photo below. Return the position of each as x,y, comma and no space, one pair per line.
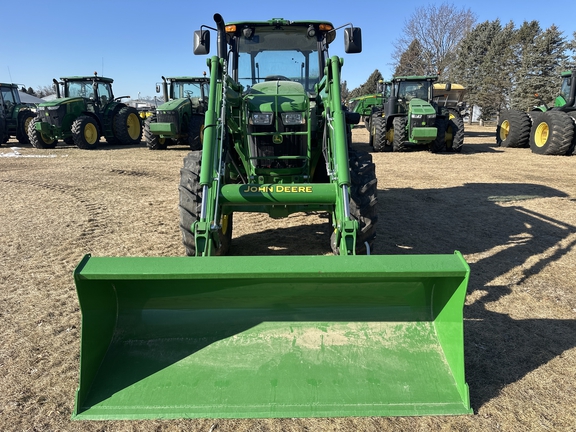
61,101
174,104
277,96
421,107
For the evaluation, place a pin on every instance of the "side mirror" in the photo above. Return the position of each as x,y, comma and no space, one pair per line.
353,40
157,88
201,42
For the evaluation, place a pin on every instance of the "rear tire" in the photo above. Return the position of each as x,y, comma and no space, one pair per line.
85,133
127,126
363,201
552,134
190,201
400,137
513,129
38,139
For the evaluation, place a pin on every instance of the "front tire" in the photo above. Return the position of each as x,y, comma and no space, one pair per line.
153,141
363,201
400,136
85,133
190,201
195,132
127,126
552,134
455,134
25,117
37,138
513,129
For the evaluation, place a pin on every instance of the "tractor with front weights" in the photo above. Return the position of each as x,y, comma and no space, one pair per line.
86,111
411,119
206,335
546,130
180,119
14,115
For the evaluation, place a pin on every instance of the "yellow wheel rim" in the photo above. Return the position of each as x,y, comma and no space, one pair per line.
27,123
449,136
90,133
451,116
504,130
541,134
133,123
225,222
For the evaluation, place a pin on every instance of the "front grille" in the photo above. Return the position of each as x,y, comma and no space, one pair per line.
168,118
290,153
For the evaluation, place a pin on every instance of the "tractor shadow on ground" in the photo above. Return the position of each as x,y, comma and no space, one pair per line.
499,350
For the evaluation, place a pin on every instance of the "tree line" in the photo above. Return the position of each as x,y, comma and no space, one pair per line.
501,65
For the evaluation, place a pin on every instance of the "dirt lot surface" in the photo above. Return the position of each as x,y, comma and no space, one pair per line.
510,212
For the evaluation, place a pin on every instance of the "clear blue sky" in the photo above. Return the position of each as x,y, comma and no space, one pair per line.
135,42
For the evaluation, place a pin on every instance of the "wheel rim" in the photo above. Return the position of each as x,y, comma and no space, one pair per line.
27,122
541,134
133,124
504,130
90,134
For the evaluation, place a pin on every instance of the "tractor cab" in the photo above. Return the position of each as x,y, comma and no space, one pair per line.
14,115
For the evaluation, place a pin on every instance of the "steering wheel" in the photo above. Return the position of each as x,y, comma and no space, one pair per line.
277,78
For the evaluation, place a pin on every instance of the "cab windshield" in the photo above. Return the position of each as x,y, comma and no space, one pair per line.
565,89
285,53
186,90
409,90
81,89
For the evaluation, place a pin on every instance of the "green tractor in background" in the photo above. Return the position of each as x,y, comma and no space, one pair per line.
181,118
410,118
86,111
14,115
206,335
546,130
369,104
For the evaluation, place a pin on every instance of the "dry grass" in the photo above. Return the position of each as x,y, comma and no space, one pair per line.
511,213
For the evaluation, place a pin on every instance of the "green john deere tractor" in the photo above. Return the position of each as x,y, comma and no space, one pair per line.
87,111
410,118
14,115
546,130
273,336
363,105
181,118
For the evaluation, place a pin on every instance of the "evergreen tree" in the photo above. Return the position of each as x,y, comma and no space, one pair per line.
369,87
412,61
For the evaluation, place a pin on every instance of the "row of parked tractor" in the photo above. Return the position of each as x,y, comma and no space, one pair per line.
85,110
414,111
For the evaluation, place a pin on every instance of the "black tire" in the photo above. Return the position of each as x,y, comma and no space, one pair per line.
69,140
195,132
85,133
127,126
455,134
439,143
190,200
552,134
25,117
38,139
153,141
513,129
400,134
363,201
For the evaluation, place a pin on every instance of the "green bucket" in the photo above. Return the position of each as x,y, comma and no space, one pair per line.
257,337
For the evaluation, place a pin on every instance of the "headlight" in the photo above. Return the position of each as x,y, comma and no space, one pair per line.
416,116
53,108
261,119
292,118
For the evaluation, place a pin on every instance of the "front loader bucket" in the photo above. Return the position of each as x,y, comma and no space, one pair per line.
253,337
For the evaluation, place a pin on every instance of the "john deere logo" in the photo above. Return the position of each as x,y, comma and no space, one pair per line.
277,139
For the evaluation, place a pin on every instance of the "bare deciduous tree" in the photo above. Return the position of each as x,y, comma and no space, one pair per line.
438,30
